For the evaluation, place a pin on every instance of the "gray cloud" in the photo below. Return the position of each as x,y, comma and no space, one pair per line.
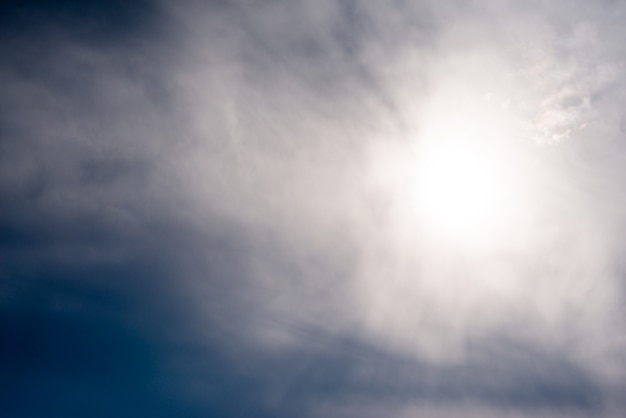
226,185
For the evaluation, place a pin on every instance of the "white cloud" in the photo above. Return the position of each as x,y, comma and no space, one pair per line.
292,125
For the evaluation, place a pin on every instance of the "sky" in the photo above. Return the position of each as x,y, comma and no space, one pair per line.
313,208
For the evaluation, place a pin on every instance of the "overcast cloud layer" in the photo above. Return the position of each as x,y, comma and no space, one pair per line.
204,210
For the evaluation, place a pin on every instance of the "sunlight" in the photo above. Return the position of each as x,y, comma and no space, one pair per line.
460,190
466,183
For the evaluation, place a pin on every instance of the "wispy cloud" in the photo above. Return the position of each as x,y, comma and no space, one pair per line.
226,186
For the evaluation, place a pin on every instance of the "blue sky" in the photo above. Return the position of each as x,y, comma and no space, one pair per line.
225,209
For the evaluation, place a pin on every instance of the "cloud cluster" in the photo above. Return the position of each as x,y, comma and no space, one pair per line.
226,183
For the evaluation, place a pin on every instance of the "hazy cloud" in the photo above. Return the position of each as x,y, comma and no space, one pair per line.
207,209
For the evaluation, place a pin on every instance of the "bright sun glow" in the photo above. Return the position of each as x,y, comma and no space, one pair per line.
463,192
466,182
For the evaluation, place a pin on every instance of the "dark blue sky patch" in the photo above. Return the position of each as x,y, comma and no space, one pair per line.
72,360
97,21
79,334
